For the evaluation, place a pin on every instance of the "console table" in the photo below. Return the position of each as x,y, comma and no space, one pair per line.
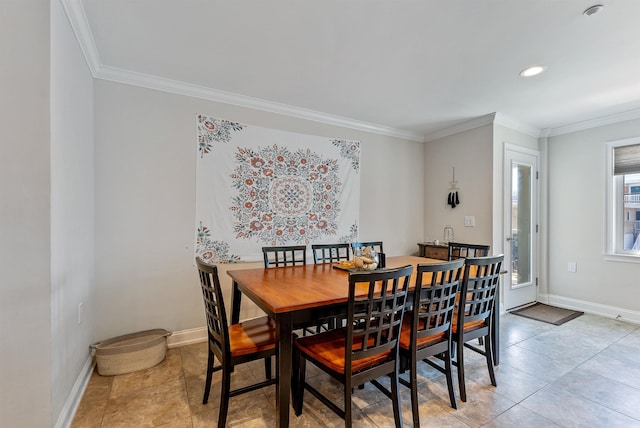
433,251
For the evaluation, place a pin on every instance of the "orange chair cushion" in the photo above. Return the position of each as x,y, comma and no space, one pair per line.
405,335
329,350
252,336
468,326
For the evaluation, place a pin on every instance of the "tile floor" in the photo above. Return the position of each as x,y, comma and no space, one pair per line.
585,373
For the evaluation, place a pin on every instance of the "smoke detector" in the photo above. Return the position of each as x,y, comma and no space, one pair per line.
593,10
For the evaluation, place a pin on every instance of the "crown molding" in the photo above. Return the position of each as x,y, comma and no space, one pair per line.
508,122
80,26
461,127
148,81
592,123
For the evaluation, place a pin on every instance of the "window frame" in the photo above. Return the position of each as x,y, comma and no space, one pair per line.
614,194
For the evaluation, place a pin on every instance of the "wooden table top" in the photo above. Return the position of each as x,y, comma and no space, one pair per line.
293,288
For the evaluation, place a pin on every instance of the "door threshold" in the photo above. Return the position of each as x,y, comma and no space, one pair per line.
526,305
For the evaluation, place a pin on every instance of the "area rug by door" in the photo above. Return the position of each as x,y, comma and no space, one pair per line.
548,314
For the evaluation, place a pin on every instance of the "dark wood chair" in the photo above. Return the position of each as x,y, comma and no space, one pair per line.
232,345
474,312
291,255
458,250
426,329
363,351
330,253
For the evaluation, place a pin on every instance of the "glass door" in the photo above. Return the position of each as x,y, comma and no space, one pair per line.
520,218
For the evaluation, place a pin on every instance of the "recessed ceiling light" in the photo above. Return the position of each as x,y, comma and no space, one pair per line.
533,71
593,10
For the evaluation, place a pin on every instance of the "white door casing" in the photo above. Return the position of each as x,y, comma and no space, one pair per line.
520,226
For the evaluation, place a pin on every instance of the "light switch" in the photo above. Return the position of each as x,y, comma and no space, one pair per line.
572,267
469,221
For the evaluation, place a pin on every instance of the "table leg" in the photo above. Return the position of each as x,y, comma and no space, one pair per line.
236,297
283,370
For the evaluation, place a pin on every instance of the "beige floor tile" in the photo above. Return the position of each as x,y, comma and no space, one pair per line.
94,402
148,407
170,394
168,370
194,359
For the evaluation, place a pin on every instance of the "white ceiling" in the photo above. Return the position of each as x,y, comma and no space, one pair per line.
405,68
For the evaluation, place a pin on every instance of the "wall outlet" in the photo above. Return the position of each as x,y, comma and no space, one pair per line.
469,221
572,267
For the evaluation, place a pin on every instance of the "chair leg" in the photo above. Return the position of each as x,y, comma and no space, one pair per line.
395,393
348,390
460,360
449,375
299,372
267,367
224,397
413,377
207,384
489,355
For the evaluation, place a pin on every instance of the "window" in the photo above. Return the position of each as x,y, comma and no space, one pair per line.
623,197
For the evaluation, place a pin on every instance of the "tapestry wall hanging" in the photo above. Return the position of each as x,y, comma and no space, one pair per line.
260,187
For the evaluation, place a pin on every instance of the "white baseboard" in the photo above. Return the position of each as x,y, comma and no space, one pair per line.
591,308
73,401
187,337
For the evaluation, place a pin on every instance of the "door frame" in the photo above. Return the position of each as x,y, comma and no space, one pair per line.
511,150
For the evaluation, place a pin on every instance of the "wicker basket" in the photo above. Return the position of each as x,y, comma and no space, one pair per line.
131,352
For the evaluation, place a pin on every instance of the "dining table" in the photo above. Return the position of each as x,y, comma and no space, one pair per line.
296,296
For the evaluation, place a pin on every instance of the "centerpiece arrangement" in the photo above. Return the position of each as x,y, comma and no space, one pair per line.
365,258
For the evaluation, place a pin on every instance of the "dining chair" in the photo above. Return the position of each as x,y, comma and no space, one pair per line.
459,250
329,253
234,344
474,312
363,351
290,255
426,329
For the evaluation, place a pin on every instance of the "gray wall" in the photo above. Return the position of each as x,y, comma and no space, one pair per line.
577,226
25,296
145,202
471,153
72,211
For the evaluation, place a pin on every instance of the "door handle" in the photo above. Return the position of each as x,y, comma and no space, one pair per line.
508,238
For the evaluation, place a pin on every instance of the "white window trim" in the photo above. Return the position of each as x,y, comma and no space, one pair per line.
613,247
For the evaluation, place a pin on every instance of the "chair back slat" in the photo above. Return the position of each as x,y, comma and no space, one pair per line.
215,312
478,292
458,250
290,255
330,253
374,320
434,298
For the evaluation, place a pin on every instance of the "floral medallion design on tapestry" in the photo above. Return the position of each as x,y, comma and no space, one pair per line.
285,197
262,187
